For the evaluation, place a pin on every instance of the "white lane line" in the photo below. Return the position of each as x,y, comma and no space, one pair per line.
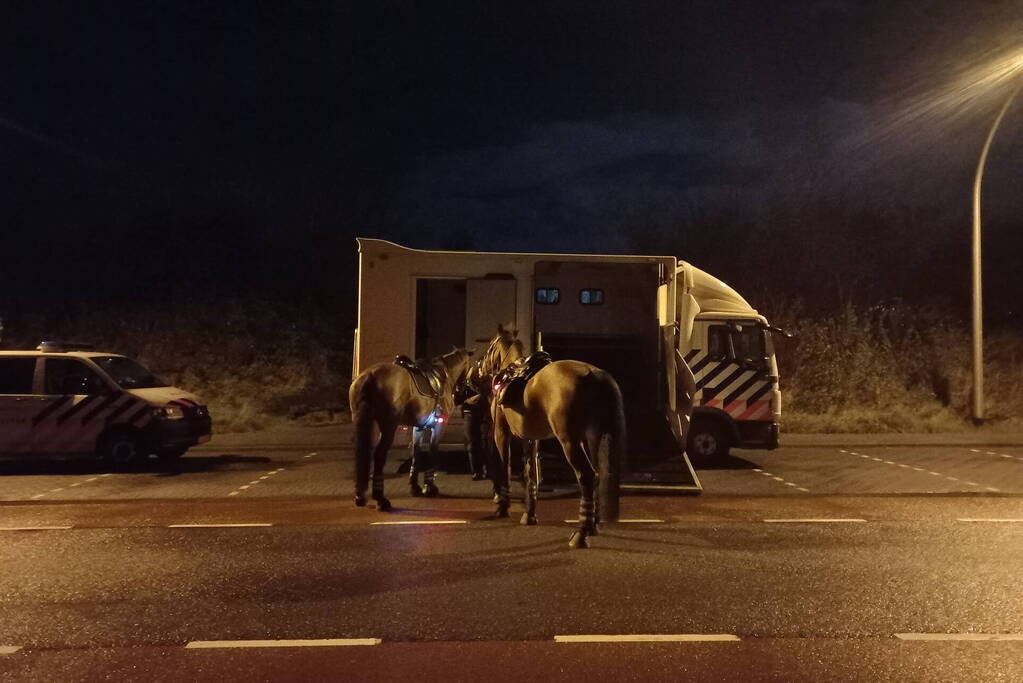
625,521
1000,455
920,469
245,487
821,520
225,526
33,528
959,636
9,649
322,642
71,485
420,521
780,480
1002,520
649,638
310,455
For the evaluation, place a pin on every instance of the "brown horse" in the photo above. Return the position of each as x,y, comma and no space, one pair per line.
574,402
384,394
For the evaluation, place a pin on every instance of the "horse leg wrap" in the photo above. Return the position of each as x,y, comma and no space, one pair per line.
378,494
586,517
503,501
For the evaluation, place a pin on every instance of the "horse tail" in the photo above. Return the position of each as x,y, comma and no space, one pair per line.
612,424
360,398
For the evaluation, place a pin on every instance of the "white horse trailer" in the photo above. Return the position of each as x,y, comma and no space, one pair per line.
641,318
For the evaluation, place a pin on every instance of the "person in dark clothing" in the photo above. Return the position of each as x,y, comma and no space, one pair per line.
477,435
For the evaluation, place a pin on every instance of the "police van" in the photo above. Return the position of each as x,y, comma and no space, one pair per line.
63,399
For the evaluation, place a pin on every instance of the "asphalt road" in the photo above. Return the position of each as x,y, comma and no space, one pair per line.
816,563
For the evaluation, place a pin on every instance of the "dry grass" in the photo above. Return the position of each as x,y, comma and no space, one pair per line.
890,369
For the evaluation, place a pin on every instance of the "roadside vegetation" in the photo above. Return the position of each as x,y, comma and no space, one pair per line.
888,368
263,364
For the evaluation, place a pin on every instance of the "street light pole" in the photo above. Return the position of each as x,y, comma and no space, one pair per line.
978,312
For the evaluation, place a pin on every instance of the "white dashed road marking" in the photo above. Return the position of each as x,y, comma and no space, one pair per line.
959,636
252,483
71,485
920,469
779,479
1005,520
9,649
625,521
1000,455
226,526
322,642
813,521
649,638
420,521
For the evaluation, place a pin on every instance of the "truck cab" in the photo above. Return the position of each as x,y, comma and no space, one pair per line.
728,347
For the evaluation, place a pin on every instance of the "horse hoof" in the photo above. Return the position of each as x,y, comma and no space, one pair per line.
528,519
383,504
593,531
431,490
360,501
502,511
578,540
415,490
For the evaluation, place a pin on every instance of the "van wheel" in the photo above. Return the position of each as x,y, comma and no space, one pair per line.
119,448
708,441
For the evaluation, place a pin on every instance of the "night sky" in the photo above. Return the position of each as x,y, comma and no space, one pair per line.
240,143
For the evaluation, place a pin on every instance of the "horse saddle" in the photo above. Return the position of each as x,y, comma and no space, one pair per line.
510,383
425,378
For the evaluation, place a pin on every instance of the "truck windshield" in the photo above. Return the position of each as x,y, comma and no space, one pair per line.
749,344
127,373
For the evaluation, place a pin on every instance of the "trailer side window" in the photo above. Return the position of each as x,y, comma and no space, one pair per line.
591,297
548,295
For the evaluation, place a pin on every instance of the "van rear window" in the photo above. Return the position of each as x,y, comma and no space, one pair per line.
16,375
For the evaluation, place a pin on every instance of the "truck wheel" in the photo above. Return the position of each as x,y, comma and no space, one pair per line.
708,441
119,448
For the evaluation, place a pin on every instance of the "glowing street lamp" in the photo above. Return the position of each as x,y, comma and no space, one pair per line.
1009,69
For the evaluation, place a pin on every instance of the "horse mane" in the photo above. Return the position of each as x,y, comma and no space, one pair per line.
504,349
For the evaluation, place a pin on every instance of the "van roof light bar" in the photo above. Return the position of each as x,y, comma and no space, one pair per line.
62,346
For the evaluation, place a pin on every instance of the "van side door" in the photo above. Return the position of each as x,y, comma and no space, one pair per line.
77,401
18,403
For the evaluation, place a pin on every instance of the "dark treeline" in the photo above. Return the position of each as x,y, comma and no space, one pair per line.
827,257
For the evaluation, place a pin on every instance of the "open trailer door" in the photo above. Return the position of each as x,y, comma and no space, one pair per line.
606,314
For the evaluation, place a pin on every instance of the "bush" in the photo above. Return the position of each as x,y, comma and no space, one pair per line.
889,368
